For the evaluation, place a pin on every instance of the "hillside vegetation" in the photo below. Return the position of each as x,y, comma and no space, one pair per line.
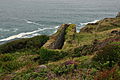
91,54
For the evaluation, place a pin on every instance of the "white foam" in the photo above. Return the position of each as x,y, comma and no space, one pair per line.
56,27
31,22
32,35
28,21
15,29
24,34
83,24
4,30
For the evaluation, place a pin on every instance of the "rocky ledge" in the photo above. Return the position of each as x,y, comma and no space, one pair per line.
118,15
57,40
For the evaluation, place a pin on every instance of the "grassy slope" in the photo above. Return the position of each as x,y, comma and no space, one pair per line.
74,63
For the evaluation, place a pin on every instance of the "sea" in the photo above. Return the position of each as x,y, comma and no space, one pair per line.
28,18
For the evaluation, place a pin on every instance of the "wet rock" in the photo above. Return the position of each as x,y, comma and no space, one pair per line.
92,23
118,15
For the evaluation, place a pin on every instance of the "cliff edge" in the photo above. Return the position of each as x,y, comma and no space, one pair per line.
57,40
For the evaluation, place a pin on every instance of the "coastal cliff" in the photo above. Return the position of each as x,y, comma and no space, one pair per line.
91,54
64,34
57,40
102,25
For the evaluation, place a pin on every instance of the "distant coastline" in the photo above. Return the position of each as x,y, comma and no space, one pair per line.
34,33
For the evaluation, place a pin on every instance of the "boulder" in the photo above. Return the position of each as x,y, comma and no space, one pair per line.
39,68
42,67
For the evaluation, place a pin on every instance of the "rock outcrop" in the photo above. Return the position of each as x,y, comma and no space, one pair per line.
118,15
57,40
102,25
70,36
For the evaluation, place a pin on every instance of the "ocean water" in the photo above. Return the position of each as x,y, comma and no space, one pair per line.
28,18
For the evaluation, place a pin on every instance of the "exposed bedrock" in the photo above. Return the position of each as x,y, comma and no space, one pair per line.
118,15
57,40
70,37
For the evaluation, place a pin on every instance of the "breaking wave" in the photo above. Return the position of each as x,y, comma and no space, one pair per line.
35,32
24,34
81,25
31,22
4,30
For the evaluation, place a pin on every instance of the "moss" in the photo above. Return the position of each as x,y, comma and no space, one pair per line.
70,36
71,29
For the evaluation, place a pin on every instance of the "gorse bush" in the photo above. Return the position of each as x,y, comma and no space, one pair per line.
109,54
46,55
28,43
83,50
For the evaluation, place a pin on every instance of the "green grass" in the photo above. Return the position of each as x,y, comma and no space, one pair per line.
46,55
23,44
103,25
69,36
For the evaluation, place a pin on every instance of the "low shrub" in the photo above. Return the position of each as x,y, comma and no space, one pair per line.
11,66
112,74
46,55
6,57
42,75
108,55
83,50
63,69
21,44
